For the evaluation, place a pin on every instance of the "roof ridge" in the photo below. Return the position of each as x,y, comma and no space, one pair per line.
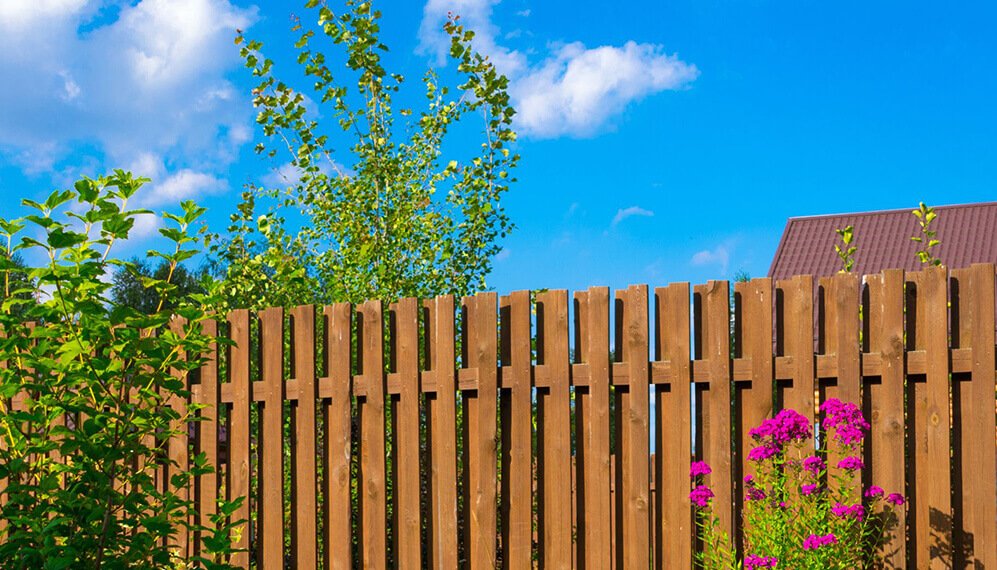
891,211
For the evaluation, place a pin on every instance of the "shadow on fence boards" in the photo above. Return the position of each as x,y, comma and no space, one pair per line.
507,431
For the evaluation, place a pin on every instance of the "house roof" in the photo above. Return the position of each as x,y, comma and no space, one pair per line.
968,234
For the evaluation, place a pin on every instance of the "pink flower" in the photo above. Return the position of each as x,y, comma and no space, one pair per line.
763,452
845,420
874,492
856,512
813,542
774,433
701,495
808,489
753,562
895,498
813,464
851,464
699,468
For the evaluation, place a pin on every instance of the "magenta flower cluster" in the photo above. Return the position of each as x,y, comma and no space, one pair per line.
815,541
851,464
856,512
753,562
774,433
814,464
701,495
699,468
844,420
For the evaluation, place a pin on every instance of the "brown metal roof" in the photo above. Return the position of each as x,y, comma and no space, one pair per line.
968,234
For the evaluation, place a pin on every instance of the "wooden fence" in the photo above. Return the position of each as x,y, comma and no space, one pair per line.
477,435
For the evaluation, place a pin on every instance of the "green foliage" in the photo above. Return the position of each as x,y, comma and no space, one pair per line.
407,217
17,285
129,285
925,216
84,391
845,250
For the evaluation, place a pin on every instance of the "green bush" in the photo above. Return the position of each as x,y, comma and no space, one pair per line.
84,414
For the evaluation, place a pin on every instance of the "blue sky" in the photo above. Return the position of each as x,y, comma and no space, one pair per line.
661,140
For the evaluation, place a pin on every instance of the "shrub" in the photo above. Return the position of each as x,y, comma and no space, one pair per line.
85,386
798,513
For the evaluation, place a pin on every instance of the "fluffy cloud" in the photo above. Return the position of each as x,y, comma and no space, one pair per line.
575,90
719,256
578,90
629,213
141,85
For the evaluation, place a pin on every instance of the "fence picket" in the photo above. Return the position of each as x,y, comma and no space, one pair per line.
237,470
480,414
336,391
371,388
673,521
304,505
405,415
633,493
592,416
554,428
884,397
517,432
442,403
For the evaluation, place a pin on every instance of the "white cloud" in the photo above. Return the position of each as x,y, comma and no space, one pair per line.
142,86
625,213
720,255
575,90
578,90
185,185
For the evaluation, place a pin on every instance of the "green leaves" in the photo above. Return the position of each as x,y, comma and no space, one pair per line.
91,378
846,253
925,216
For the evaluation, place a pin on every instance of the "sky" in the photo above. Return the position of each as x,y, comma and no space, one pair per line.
661,140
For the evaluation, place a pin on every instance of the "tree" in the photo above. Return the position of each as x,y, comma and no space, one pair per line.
399,210
130,286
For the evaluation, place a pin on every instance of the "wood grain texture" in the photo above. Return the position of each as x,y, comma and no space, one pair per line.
304,507
595,518
271,502
554,425
517,431
441,358
238,433
406,409
673,523
373,496
337,415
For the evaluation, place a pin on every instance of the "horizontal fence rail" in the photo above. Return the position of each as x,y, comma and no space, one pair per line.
542,429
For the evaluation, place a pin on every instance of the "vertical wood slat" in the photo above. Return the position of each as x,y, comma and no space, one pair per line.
756,404
673,522
841,340
977,413
797,335
716,398
634,416
517,432
884,399
177,453
271,486
917,401
373,507
207,395
480,417
305,490
405,416
592,414
238,431
554,413
441,360
337,412
939,500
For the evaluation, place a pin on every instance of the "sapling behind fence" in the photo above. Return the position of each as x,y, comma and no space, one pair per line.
558,430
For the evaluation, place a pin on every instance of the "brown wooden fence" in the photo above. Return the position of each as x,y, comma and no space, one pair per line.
426,434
